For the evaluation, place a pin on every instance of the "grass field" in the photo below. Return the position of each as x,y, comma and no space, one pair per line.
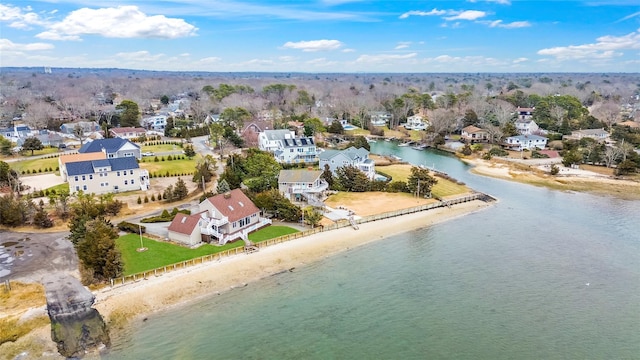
59,187
182,166
444,187
160,148
34,164
271,232
161,253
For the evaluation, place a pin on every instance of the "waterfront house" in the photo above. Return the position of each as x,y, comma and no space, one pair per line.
415,122
525,142
185,229
229,216
358,158
473,134
106,176
288,148
302,185
113,148
379,118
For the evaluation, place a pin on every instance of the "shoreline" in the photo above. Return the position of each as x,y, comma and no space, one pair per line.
128,303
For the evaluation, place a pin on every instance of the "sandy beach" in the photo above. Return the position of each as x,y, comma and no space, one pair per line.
122,304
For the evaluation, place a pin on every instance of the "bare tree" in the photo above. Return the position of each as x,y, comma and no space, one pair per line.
610,155
607,112
558,113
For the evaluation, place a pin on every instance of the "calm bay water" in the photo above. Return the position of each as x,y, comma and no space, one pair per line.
540,275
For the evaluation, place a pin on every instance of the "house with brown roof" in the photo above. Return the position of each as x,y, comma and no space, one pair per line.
222,218
185,229
473,134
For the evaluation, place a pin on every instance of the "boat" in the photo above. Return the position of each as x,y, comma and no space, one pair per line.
369,140
420,147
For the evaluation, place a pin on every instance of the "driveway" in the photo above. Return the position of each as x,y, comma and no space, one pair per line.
41,182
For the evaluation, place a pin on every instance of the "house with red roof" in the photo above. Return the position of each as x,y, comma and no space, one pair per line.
222,218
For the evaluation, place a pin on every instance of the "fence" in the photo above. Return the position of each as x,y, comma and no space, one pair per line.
263,244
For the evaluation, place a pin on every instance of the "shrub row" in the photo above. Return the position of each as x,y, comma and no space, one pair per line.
165,216
131,228
34,171
169,174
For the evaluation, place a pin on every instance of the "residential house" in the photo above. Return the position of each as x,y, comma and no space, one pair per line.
106,176
185,229
348,157
525,142
525,113
302,185
47,138
473,134
70,158
287,148
415,122
527,127
114,148
600,135
212,118
16,132
129,133
379,118
87,127
222,218
156,122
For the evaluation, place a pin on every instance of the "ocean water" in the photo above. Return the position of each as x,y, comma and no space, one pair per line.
540,275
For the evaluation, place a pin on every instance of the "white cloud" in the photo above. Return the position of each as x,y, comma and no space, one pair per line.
629,16
19,18
606,47
467,15
502,2
138,56
287,58
8,45
348,50
384,58
314,45
520,60
209,60
120,22
511,25
402,45
433,12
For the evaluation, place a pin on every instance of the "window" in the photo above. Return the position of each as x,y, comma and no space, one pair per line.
130,172
118,173
77,188
132,181
76,178
126,182
84,187
90,176
84,178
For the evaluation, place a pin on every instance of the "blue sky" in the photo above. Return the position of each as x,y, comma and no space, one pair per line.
324,35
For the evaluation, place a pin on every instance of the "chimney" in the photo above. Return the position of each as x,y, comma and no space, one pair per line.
227,195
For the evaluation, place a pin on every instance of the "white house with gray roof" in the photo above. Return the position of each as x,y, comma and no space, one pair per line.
288,148
302,185
106,176
348,157
525,142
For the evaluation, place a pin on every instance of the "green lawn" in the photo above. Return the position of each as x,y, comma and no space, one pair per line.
444,187
182,166
160,253
34,164
160,148
59,187
271,232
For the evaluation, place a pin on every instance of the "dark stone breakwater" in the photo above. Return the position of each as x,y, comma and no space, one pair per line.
76,327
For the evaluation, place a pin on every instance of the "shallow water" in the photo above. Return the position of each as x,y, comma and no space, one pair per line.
542,274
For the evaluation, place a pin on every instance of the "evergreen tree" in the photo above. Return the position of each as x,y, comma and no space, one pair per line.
223,187
97,250
420,182
189,151
41,218
130,114
32,143
350,178
180,190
